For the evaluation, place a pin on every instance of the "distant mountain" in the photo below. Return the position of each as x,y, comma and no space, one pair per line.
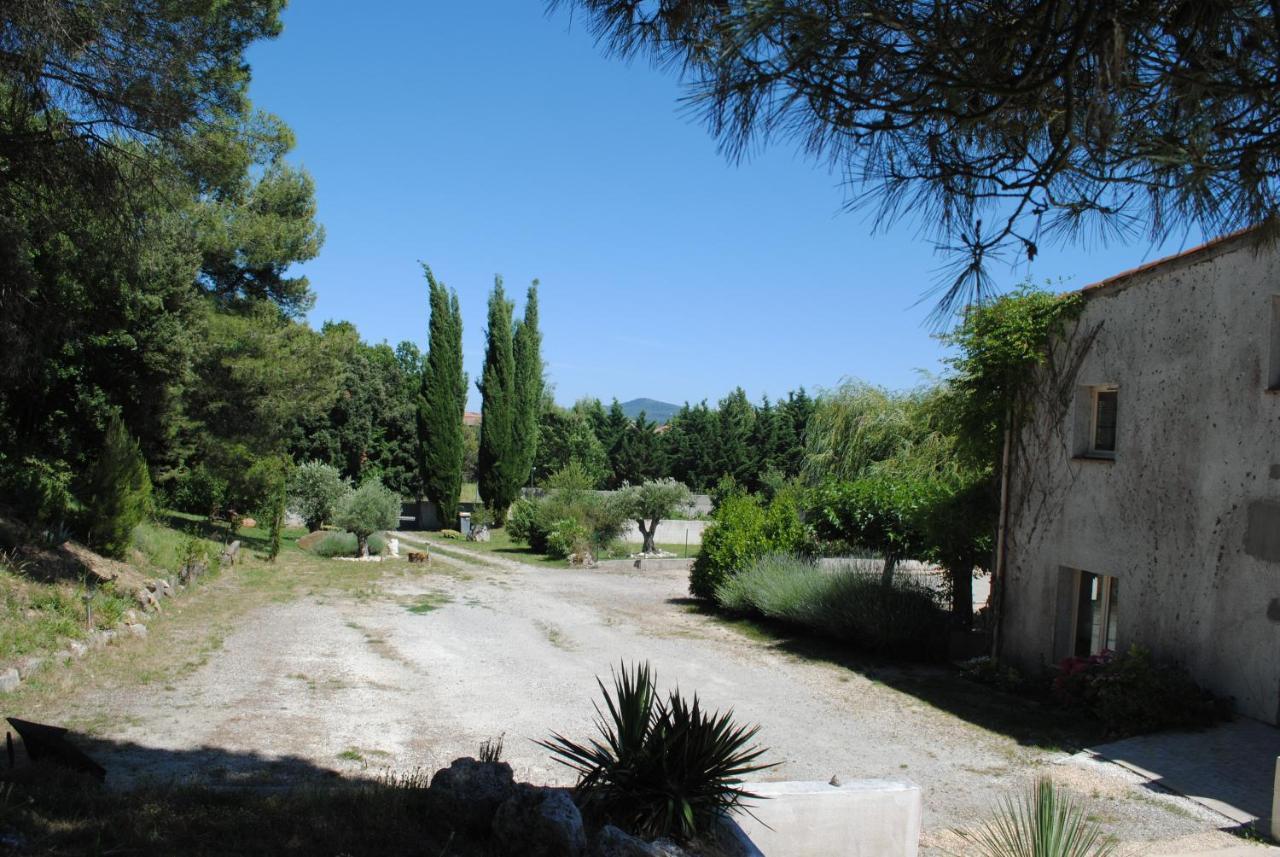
654,411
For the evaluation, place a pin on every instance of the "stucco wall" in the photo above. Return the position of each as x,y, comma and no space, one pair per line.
1187,516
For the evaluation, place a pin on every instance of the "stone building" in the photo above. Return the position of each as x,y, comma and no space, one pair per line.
1144,492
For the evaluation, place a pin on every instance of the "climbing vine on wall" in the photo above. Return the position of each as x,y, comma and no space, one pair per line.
997,377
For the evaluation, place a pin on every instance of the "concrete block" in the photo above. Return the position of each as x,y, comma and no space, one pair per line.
1275,804
859,818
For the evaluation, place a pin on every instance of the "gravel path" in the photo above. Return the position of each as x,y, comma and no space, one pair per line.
426,668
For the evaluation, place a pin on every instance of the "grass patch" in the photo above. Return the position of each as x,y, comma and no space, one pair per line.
427,603
624,550
39,617
501,544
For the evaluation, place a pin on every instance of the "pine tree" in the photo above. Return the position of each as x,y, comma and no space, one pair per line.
441,403
799,408
639,457
615,429
764,440
737,423
527,346
498,488
117,495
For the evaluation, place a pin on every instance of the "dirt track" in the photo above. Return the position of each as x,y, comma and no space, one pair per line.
423,669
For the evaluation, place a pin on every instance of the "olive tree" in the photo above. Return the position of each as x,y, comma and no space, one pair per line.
369,509
315,491
650,502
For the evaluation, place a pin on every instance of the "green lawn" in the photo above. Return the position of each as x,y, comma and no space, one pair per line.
501,544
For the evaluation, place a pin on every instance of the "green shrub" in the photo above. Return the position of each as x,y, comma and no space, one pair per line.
315,490
903,619
199,491
598,519
527,523
453,535
660,767
735,539
568,537
368,509
346,544
37,489
1046,823
1131,694
988,670
117,493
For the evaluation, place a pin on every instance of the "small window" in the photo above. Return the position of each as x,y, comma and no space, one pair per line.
1097,601
1102,437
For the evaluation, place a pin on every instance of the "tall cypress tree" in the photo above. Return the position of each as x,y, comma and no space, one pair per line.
528,389
497,386
441,403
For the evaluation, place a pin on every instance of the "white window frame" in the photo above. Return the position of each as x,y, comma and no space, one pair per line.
1092,450
1105,581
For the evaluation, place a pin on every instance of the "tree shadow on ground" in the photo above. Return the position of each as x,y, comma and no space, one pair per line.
255,537
217,801
1031,721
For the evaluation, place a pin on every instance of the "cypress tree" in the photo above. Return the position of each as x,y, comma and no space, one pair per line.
497,386
527,346
117,493
441,403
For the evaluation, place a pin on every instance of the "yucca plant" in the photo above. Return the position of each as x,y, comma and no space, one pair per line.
660,767
1047,822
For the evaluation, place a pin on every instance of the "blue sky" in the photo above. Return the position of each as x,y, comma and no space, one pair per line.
486,137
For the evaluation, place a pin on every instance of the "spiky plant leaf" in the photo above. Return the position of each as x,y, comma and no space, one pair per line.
660,767
1046,822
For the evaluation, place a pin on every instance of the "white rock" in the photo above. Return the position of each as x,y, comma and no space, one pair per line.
29,665
9,680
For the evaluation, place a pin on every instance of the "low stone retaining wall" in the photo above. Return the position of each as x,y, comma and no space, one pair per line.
859,818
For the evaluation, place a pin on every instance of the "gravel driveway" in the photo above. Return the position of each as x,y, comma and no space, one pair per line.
425,668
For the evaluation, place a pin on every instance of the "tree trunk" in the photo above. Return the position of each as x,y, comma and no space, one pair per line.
886,576
648,534
962,597
362,545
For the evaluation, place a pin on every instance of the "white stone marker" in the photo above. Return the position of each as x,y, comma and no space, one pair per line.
393,547
859,818
1275,804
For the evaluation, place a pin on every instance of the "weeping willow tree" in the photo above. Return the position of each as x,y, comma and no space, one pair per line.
858,429
892,481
